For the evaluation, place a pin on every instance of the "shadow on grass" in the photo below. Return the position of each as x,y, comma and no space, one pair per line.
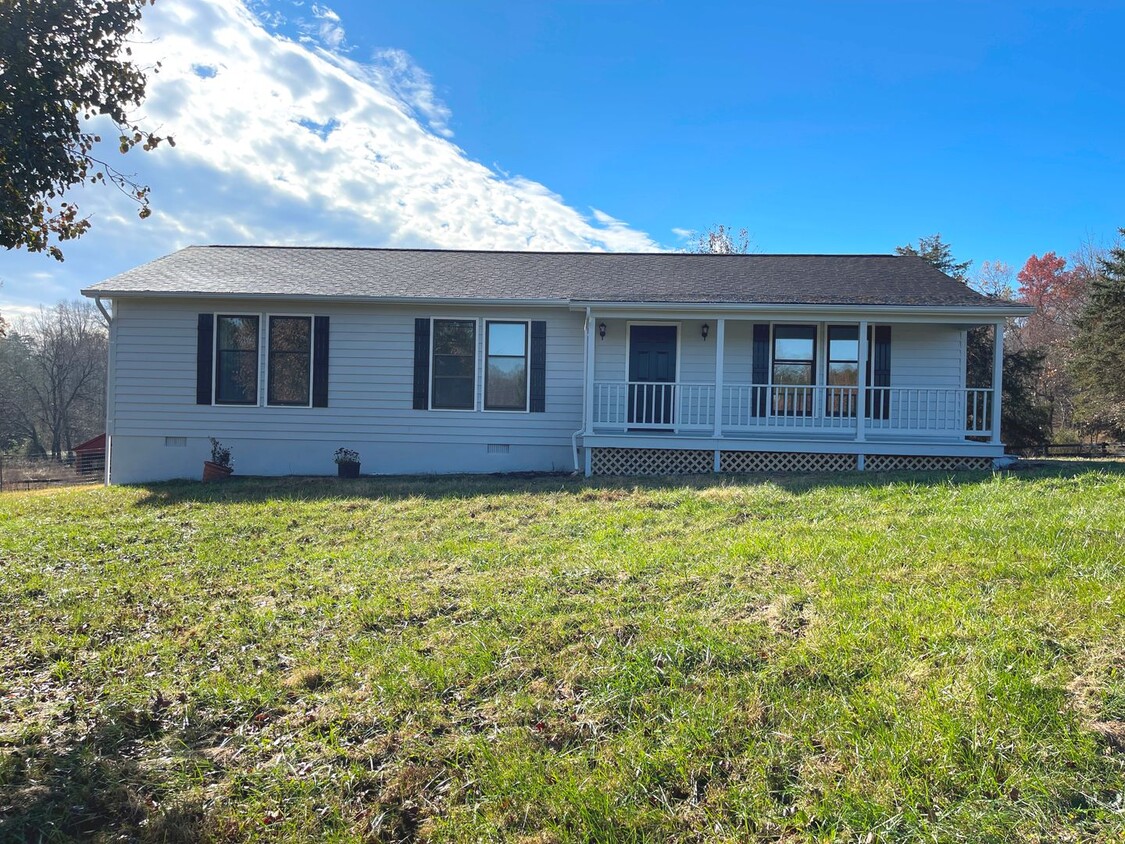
250,490
93,786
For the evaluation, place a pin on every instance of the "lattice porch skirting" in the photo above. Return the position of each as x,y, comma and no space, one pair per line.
785,461
651,461
900,463
674,461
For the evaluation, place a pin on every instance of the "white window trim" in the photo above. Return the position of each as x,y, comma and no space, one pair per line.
828,326
526,362
215,363
818,327
265,349
477,382
816,359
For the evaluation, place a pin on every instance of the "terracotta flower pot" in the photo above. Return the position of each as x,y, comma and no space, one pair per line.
215,472
347,470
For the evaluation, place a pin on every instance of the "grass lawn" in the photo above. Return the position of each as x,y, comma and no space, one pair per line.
851,658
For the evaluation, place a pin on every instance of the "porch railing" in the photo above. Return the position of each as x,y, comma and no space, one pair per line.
747,408
643,405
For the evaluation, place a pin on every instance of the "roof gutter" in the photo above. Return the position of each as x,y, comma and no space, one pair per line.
95,292
974,311
962,311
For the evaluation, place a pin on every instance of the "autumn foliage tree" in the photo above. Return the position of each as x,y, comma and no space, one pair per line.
1057,292
63,64
1054,291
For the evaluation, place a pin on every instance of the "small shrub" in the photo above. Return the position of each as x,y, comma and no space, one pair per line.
220,454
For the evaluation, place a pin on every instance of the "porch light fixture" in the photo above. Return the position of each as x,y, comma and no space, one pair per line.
601,330
705,330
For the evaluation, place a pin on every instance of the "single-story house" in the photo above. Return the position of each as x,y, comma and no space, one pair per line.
473,361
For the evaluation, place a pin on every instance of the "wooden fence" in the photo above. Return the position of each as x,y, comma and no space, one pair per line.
1090,450
86,467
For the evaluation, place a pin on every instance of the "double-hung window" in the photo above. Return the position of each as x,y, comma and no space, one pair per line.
794,369
236,360
454,364
289,371
843,369
505,373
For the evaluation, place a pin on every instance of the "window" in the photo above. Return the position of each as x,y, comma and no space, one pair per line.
454,365
236,360
289,371
843,368
794,367
505,372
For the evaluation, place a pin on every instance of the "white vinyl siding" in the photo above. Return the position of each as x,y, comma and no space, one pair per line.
371,376
926,355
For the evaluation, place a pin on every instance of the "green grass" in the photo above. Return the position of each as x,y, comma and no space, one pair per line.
856,657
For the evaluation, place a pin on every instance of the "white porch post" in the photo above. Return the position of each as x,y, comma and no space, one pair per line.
861,385
997,380
720,347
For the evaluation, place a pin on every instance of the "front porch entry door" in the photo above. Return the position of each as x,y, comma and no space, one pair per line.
652,375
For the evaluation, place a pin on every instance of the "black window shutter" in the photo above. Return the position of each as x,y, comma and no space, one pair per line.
421,364
204,358
761,368
879,371
320,362
538,367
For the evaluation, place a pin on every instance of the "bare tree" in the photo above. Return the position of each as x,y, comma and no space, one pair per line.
52,378
995,279
723,240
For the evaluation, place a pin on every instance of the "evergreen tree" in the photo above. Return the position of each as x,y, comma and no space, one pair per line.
1099,364
934,250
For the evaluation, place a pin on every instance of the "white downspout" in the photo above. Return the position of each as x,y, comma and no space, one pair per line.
111,344
586,386
105,313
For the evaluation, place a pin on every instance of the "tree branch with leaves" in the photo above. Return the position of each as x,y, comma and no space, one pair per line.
64,63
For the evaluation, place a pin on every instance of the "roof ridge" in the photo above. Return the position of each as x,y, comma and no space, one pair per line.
546,252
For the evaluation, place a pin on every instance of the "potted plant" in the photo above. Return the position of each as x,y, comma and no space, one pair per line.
347,463
219,466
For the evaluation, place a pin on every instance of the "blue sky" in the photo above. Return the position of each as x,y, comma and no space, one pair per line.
820,127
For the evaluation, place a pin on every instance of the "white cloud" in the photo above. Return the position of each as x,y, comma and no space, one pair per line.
16,315
329,30
396,71
283,142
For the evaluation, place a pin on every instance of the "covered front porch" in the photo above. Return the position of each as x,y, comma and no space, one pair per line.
823,382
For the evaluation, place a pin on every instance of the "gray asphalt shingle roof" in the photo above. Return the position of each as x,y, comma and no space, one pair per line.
565,276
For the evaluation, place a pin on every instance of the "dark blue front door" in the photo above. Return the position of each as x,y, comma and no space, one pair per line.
652,374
